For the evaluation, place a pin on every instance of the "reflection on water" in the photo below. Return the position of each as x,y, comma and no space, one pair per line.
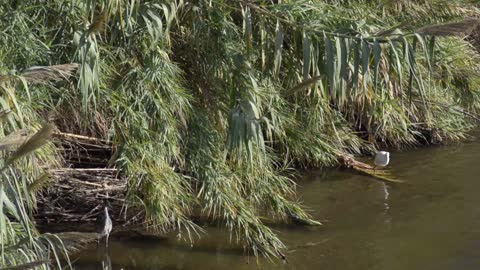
106,262
430,222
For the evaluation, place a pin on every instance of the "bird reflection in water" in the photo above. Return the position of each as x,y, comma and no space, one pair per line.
382,159
106,261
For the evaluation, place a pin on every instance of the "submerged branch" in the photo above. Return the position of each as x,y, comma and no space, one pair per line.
367,169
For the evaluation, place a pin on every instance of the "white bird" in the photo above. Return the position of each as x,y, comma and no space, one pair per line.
382,158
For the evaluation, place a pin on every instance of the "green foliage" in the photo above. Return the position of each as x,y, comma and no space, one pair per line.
21,244
210,103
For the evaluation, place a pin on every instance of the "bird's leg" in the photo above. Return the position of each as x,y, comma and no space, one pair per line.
106,240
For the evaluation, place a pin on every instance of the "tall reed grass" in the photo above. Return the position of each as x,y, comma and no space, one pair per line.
210,104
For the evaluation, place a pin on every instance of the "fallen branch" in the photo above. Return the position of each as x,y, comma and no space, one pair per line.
367,169
43,74
84,170
80,137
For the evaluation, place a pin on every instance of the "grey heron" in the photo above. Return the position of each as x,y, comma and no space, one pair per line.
104,224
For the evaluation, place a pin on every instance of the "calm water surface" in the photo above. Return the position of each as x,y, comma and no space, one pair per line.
430,222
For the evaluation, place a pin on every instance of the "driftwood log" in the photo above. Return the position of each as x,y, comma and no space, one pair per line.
350,162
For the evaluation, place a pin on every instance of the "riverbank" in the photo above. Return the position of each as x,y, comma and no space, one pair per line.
208,106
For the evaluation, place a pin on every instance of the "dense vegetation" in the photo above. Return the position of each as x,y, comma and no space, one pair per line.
211,103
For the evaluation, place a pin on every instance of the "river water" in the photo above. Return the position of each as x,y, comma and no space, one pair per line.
432,221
